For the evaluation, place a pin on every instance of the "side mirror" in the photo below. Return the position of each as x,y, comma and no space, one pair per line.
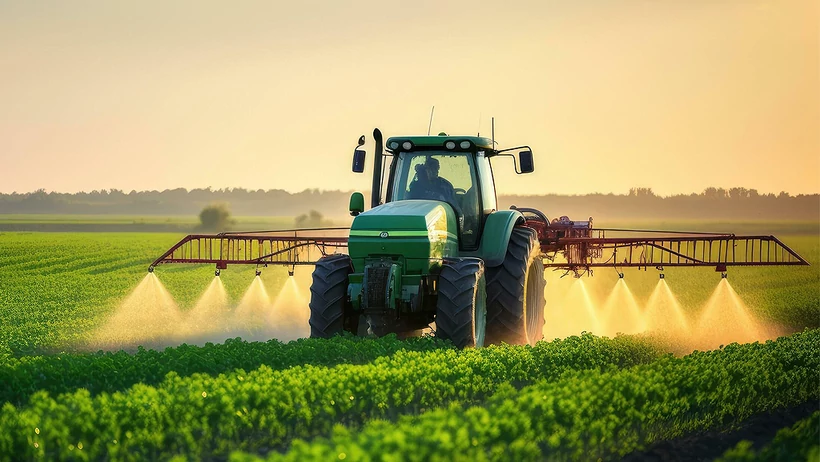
358,161
356,203
525,161
361,141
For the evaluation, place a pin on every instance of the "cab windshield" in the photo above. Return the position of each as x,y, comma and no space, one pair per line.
442,176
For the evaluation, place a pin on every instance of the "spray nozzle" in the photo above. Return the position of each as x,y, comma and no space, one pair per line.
620,275
290,273
662,276
150,269
258,272
216,273
724,275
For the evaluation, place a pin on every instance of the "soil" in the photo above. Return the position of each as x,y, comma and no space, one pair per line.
708,445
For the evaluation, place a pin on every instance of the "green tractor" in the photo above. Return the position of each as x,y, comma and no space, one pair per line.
433,248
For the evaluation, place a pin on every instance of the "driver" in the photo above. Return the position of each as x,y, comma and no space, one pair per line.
428,185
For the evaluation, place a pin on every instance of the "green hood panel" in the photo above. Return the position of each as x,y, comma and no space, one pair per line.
406,215
417,231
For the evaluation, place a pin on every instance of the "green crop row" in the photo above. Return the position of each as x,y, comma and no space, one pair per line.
203,416
57,288
108,372
800,442
587,415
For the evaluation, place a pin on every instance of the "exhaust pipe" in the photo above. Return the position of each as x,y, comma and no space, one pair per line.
375,200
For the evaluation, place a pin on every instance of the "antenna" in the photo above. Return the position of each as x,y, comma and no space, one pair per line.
479,125
493,123
431,120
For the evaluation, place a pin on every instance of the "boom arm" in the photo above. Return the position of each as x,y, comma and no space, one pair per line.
718,251
575,246
288,247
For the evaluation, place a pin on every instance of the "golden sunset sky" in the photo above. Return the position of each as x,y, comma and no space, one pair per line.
675,95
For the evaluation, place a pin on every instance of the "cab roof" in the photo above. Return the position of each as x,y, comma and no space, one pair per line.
426,143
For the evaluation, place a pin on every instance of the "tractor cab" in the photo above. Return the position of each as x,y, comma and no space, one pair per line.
451,169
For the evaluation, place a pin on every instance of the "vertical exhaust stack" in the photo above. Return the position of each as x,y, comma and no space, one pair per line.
377,169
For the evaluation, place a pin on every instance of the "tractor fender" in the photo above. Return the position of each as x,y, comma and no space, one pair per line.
496,236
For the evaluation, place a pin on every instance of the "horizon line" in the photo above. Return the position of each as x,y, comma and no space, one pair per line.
367,191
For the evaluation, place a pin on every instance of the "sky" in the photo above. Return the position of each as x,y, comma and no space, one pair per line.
673,95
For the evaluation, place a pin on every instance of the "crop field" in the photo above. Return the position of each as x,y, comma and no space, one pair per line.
127,223
186,386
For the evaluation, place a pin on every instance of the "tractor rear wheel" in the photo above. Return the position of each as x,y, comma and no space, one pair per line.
461,309
328,296
515,292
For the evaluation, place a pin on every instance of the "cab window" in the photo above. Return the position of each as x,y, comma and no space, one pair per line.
446,177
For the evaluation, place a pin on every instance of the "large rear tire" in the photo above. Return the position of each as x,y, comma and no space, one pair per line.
515,292
328,296
461,309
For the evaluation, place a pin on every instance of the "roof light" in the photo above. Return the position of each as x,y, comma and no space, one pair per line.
394,145
464,144
407,145
450,145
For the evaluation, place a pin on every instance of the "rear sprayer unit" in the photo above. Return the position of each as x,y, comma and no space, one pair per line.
434,248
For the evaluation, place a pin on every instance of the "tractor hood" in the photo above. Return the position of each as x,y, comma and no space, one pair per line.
416,231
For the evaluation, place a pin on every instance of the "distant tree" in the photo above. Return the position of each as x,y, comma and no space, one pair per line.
738,193
714,193
312,219
641,192
215,217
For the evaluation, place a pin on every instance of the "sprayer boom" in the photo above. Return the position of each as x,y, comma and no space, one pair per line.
658,249
286,247
573,247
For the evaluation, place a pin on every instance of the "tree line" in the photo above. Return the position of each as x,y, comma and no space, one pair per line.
638,203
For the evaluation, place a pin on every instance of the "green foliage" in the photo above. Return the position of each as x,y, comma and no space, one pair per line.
417,398
801,441
592,415
56,288
204,416
215,217
113,371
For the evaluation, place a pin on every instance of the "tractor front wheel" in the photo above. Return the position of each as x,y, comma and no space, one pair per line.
515,292
461,309
328,296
